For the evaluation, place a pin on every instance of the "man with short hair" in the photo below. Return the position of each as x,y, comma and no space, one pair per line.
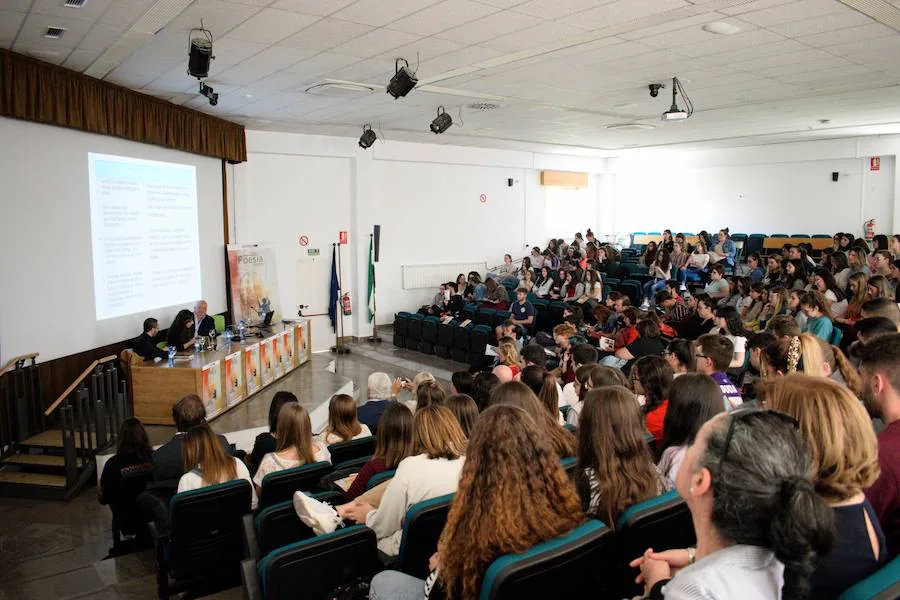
144,345
881,307
880,373
203,323
713,353
522,310
870,327
378,395
533,354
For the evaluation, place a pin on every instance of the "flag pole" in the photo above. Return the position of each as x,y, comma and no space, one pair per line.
339,347
374,338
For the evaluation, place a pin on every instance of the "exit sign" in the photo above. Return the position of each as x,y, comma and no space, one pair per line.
312,251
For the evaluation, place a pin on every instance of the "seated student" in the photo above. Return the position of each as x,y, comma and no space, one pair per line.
204,323
677,257
544,385
578,390
618,302
756,345
661,272
465,410
823,281
880,372
858,294
818,318
343,424
379,393
626,334
439,302
756,274
717,288
675,311
651,378
497,295
693,400
757,302
841,269
266,442
649,254
516,393
133,451
758,520
431,472
724,250
544,285
615,468
699,323
571,288
461,382
145,344
694,268
207,463
870,327
508,329
794,354
857,261
429,393
482,388
537,496
526,280
562,336
680,356
522,310
884,263
774,272
714,353
508,268
728,323
393,443
844,457
296,445
647,344
881,307
795,310
880,286
181,332
778,304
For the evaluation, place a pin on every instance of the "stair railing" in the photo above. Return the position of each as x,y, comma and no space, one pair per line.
20,401
91,411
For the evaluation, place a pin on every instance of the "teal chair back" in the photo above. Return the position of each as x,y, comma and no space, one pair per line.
884,584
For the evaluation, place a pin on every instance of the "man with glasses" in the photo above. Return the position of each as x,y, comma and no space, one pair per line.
713,353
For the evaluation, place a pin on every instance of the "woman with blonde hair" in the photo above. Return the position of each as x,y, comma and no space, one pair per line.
343,424
295,444
537,502
858,296
206,463
844,458
796,354
509,357
615,466
838,368
879,286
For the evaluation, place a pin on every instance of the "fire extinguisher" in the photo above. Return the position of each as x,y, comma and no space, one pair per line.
869,229
345,304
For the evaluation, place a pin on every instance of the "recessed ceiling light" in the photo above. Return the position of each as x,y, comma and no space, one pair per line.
720,28
631,127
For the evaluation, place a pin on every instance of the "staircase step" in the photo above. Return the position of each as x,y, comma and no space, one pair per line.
39,460
21,477
52,438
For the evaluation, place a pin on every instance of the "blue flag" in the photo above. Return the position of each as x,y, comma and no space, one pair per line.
333,294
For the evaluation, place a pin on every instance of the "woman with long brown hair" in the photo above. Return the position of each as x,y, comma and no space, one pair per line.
295,446
537,502
393,443
516,393
343,424
615,465
206,462
543,383
859,293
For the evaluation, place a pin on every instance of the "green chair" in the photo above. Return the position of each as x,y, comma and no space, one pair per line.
220,323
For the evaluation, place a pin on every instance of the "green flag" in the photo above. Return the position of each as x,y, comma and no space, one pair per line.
371,279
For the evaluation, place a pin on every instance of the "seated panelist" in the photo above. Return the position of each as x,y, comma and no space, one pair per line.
181,332
203,322
145,344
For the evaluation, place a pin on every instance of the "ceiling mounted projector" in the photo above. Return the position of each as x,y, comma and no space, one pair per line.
403,81
368,137
442,121
200,53
674,113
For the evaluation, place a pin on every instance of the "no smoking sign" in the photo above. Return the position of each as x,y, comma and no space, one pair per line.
304,241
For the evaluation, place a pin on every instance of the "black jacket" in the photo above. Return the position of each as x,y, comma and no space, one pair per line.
145,347
205,325
168,466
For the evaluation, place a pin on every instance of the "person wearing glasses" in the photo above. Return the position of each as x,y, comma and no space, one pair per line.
713,353
758,519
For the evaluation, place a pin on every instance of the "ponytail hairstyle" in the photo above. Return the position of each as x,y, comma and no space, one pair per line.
816,300
733,323
838,362
762,494
797,354
543,384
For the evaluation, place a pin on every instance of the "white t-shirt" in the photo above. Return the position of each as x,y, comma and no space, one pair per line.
193,480
670,463
272,462
331,438
568,397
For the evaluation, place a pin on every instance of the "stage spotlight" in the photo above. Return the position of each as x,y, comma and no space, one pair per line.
367,138
403,80
442,121
200,53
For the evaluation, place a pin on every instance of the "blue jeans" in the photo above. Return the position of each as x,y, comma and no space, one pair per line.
692,274
394,585
651,287
613,361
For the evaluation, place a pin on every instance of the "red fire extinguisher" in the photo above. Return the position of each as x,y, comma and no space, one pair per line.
869,229
345,304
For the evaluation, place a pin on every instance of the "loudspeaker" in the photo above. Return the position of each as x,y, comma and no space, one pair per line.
377,235
509,182
834,175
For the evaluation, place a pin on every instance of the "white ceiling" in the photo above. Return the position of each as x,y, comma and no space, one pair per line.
562,71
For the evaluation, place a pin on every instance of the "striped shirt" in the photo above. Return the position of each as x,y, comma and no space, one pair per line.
735,573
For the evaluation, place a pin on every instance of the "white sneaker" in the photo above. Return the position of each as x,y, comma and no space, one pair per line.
317,515
645,305
683,288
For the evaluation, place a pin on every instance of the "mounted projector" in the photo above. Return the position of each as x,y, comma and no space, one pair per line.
200,53
368,137
403,81
442,121
674,113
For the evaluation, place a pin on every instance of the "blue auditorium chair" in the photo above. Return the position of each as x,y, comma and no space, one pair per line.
460,350
345,452
280,486
415,331
445,339
429,334
422,527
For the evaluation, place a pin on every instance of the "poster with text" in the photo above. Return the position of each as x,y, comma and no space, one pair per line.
287,351
278,355
251,368
301,330
253,281
212,392
265,361
234,379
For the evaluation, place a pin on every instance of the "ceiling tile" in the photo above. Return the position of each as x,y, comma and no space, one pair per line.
845,36
272,59
9,26
533,37
781,58
217,15
35,25
375,42
17,5
379,12
125,12
737,41
746,7
492,26
79,60
229,52
443,16
794,11
620,11
554,9
325,34
55,8
135,73
101,37
454,60
821,24
271,25
312,7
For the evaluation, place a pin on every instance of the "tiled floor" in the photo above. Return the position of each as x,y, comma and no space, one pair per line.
55,550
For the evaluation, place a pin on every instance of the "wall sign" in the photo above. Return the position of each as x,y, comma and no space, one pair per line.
875,163
482,198
304,241
342,237
312,252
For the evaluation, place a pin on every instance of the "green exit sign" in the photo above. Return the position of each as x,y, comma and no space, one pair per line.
312,251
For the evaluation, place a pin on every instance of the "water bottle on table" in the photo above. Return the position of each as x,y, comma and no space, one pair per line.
241,326
171,356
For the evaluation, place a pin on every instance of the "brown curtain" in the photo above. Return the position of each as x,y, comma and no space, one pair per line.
37,91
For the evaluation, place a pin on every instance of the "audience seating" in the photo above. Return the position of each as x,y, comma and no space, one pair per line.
378,478
278,525
401,328
311,569
478,342
281,485
882,585
485,316
429,334
556,312
414,333
632,288
126,520
205,543
422,527
662,522
460,350
352,450
445,339
561,568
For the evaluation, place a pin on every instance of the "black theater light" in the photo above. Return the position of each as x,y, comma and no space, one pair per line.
442,121
367,138
403,81
200,53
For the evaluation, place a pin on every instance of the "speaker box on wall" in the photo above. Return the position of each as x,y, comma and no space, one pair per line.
377,235
834,175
